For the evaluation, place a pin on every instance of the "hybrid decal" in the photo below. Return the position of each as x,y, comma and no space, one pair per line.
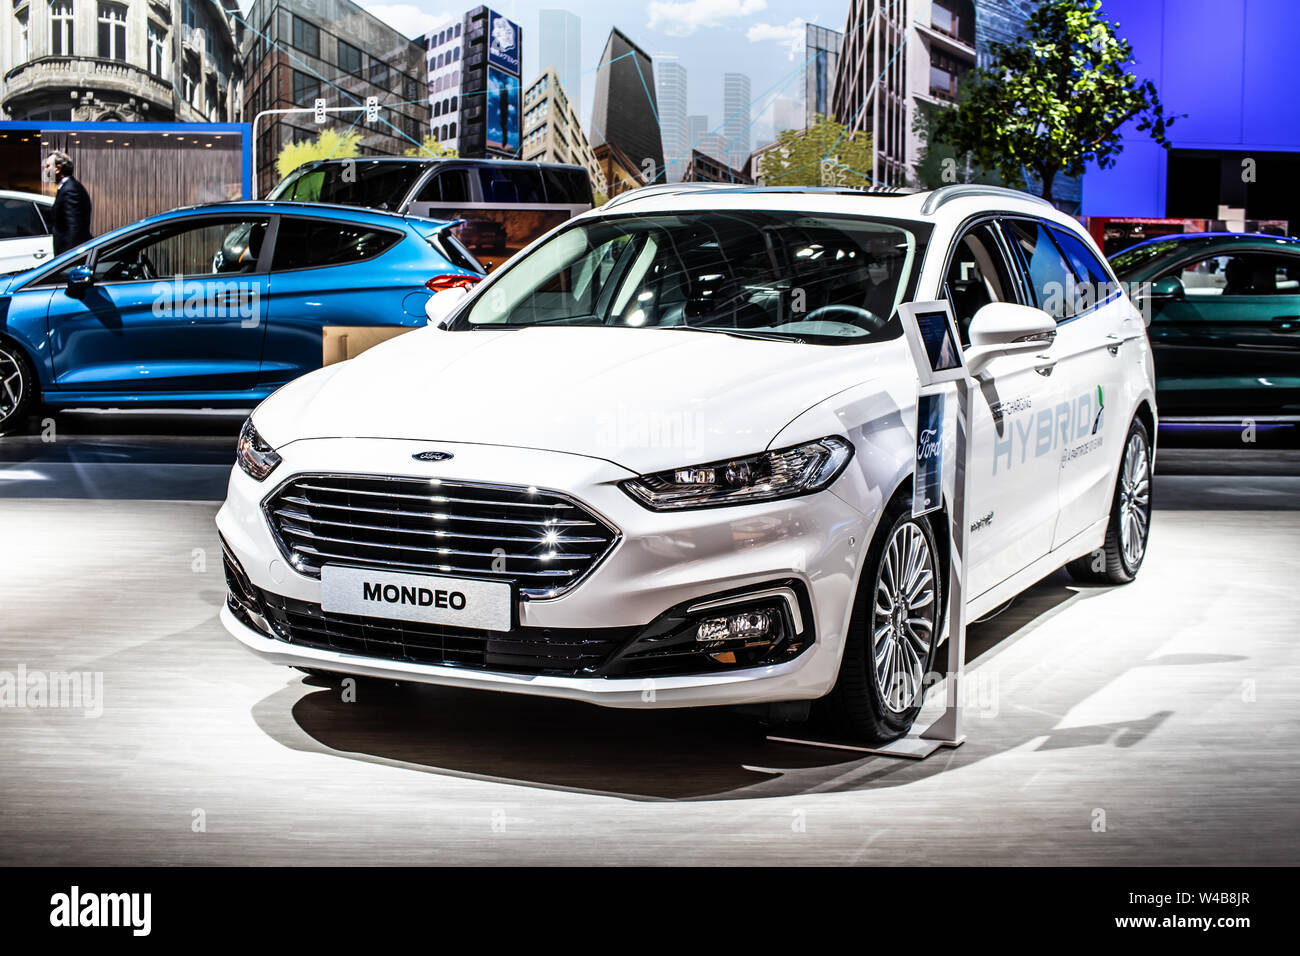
1051,431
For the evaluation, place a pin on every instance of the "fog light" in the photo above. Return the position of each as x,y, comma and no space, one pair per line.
748,625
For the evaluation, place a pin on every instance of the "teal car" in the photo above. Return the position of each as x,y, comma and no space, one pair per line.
1224,310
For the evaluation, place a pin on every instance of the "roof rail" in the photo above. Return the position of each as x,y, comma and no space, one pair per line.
674,189
946,194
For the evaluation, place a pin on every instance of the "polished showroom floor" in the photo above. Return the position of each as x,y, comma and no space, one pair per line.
1154,723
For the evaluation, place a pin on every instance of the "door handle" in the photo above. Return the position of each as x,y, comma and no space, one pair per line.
1286,323
1046,365
1113,342
40,253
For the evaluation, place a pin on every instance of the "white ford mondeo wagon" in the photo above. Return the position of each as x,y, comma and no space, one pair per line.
664,457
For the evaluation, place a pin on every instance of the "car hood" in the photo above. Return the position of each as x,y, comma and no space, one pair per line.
646,399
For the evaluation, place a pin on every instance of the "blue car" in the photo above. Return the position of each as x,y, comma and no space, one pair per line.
213,306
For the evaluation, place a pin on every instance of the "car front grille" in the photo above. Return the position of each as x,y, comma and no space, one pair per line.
542,540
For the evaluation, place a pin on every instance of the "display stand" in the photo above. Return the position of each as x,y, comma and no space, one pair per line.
932,335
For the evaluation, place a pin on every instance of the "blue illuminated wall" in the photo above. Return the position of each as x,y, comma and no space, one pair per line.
1230,65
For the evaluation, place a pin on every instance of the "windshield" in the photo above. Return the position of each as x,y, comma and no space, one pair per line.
377,185
787,275
1134,256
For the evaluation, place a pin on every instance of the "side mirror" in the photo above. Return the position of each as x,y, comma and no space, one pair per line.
1005,328
441,304
80,278
1168,289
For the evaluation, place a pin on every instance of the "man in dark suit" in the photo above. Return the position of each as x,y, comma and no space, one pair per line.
71,210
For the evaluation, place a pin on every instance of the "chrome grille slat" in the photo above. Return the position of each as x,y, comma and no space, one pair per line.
442,533
304,533
438,499
442,568
443,527
547,523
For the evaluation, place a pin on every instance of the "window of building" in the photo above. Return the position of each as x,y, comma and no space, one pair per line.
306,88
453,130
458,29
306,36
349,59
455,54
21,36
61,40
157,48
453,103
190,82
379,73
112,32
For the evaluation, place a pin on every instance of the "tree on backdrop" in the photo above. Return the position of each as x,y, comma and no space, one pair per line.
825,154
330,144
1054,101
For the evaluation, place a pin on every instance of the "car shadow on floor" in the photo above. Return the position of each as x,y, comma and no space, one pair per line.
696,754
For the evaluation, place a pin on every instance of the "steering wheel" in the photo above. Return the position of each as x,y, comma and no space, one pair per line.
850,314
147,269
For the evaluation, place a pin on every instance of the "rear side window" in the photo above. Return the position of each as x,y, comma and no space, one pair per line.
450,185
310,243
1051,279
20,220
511,184
1086,266
568,187
451,249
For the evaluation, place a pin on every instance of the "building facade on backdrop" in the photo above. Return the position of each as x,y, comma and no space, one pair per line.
552,130
870,92
626,114
821,63
298,51
670,94
703,168
737,122
902,60
141,60
559,44
474,80
443,57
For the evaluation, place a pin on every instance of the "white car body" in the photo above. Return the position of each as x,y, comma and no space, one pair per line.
574,410
25,239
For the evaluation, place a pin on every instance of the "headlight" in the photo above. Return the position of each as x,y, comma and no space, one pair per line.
764,477
255,456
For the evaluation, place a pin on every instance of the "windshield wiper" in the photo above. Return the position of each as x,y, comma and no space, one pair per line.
738,333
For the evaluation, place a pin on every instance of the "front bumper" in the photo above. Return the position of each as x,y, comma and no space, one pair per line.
663,562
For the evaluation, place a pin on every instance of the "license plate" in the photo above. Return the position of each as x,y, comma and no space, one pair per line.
427,598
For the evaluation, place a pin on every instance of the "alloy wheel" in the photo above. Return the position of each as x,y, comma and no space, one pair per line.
1134,500
904,617
12,385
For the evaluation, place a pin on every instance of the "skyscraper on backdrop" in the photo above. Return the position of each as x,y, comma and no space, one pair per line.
559,45
737,122
670,91
474,71
626,113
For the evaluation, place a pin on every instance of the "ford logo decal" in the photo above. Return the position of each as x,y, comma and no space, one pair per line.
433,456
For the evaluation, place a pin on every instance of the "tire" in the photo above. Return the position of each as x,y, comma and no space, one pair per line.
1129,526
880,703
19,392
